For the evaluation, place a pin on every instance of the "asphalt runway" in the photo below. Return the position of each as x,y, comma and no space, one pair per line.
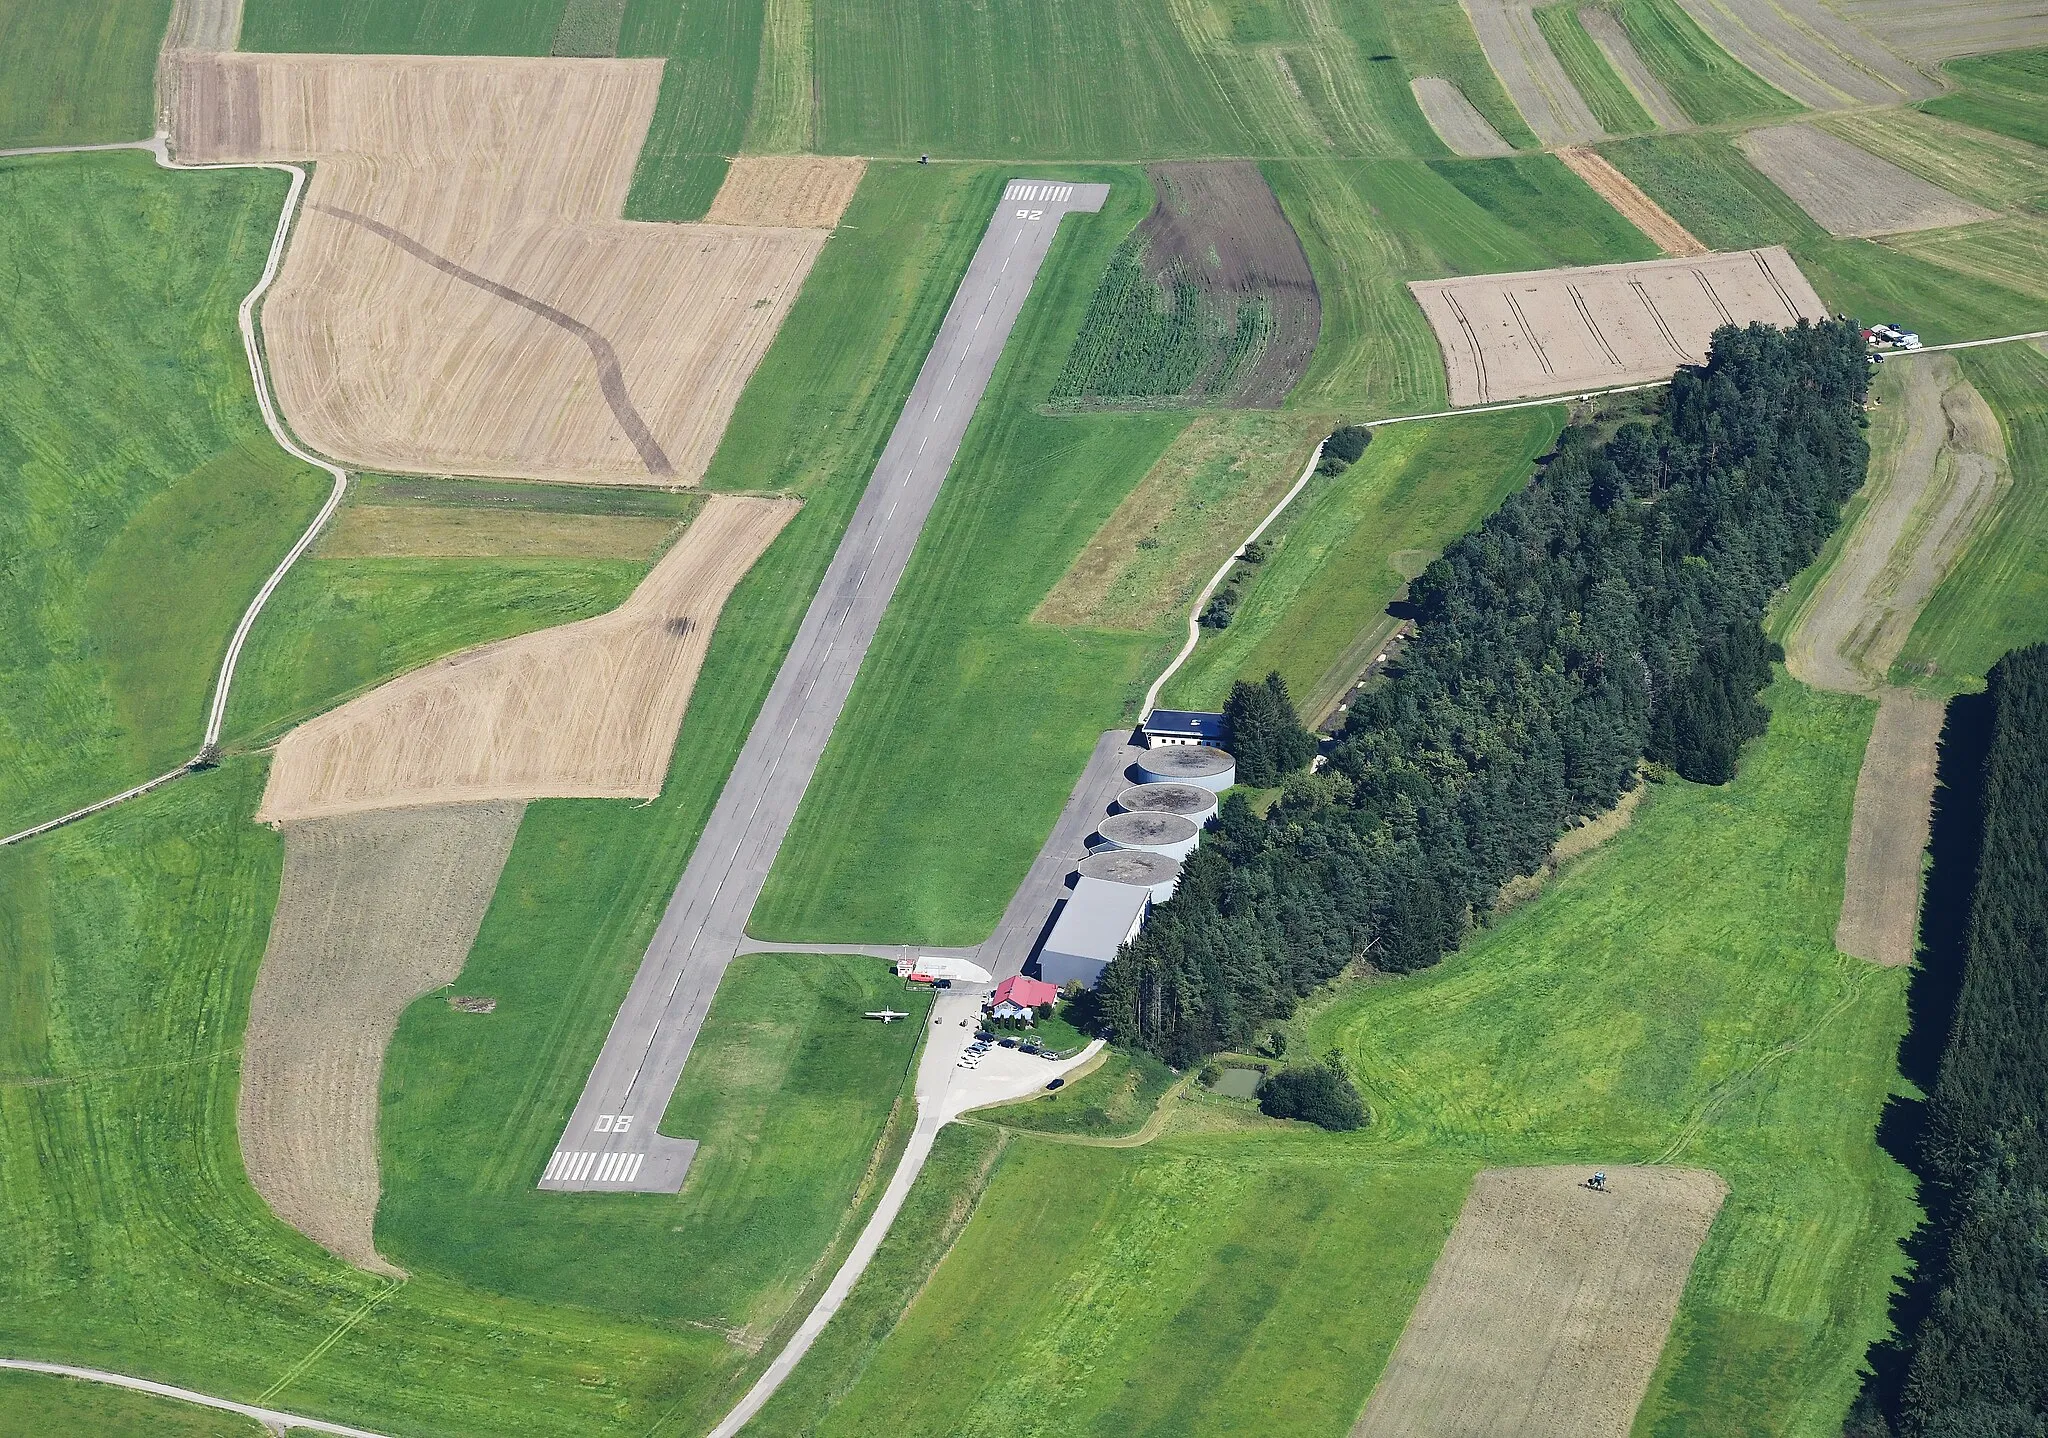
610,1145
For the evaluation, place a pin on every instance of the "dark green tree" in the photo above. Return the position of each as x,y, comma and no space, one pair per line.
1266,735
1321,1094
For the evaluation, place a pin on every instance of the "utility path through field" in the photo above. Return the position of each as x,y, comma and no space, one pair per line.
610,1144
270,1418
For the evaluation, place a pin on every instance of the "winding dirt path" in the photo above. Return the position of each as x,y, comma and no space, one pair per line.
273,1419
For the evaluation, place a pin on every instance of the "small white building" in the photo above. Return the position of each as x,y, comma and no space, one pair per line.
1182,726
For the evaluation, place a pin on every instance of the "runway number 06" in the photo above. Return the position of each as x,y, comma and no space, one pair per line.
1030,214
614,1123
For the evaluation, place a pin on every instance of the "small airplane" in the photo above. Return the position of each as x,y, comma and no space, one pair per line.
887,1016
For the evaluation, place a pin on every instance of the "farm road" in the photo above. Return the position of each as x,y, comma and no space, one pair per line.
610,1144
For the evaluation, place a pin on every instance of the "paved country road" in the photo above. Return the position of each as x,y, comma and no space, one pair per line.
610,1144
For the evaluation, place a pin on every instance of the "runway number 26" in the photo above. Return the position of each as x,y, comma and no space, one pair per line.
1030,214
614,1123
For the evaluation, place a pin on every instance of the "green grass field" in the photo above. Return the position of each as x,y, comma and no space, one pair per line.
1708,83
1113,1101
1995,598
2005,93
1674,996
141,500
1613,104
1350,546
81,72
33,1404
1973,282
387,27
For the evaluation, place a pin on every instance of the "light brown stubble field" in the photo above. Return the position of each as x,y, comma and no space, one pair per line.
1849,191
584,710
1547,1308
1635,206
374,911
461,296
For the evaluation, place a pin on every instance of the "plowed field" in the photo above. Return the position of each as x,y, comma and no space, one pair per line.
589,709
1563,331
375,910
1850,191
461,297
1548,1307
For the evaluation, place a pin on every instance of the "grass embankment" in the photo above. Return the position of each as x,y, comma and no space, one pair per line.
1995,597
142,502
32,1403
1708,83
1349,546
79,73
1606,94
1672,996
2007,94
1113,1101
1971,282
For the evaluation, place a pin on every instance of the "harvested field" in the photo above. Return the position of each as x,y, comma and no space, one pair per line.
378,531
1849,191
374,911
1953,27
1635,206
1210,301
1456,121
1612,38
589,709
1938,464
1534,79
2011,254
1888,832
796,191
1811,53
461,296
1548,1307
1548,332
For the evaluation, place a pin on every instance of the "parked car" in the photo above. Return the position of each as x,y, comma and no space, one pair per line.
1056,1083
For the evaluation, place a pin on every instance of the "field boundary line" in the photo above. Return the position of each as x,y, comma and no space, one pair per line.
271,1418
216,716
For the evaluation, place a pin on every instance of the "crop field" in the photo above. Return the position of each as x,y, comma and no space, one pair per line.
1557,331
454,290
1614,104
1548,1306
141,499
801,191
405,531
374,910
1960,27
2001,93
1849,191
587,710
1637,208
1605,29
1995,598
81,73
1708,83
1462,129
384,27
1811,53
1350,546
1535,81
1988,169
1210,301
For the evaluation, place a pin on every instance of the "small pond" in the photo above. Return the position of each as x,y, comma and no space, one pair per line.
1238,1083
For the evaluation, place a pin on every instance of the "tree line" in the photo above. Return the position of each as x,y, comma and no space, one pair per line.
1606,614
1977,1364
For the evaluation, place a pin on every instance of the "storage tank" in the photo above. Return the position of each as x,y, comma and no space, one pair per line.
1168,834
1141,868
1197,764
1190,801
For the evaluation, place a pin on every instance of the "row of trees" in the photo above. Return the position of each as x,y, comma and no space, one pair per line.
1606,613
1978,1363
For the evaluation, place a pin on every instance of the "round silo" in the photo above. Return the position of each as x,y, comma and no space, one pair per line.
1197,764
1156,833
1190,801
1140,868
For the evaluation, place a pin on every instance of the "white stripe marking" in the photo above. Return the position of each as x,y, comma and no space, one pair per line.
632,1168
583,1163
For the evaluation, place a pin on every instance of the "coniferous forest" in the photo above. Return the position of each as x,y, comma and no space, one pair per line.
1606,614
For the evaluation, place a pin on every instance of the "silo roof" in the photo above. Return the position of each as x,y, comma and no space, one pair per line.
1187,800
1148,826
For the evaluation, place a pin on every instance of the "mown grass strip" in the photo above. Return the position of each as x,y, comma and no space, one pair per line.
2006,94
1708,83
1613,104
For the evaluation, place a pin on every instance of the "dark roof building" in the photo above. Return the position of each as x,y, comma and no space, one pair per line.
1182,726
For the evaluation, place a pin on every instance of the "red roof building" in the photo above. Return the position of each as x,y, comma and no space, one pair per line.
1019,995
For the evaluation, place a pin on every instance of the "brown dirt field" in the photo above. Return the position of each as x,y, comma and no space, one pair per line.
792,191
1456,120
1850,191
1194,506
1888,833
1811,53
1546,332
461,296
374,911
1547,1308
1635,206
1931,33
588,710
1938,463
1607,32
392,531
1535,81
